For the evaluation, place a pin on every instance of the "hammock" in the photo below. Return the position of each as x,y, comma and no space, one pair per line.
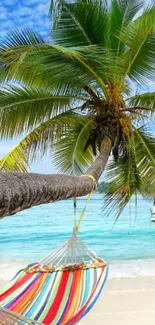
60,289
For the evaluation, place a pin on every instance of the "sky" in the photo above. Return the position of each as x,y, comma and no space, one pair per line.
24,13
32,14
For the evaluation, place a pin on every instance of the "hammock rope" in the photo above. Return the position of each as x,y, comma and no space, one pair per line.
9,318
77,224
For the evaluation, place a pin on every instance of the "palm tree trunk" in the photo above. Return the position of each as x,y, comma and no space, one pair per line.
19,191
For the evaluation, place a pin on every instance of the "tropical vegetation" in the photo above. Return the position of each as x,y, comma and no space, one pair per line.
81,91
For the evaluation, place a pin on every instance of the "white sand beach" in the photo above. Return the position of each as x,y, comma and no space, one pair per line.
124,302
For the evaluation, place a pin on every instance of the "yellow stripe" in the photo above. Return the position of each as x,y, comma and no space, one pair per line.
73,305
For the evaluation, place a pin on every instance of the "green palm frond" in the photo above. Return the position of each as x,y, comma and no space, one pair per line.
81,23
135,173
145,153
91,22
142,105
69,63
39,141
21,109
121,14
146,101
21,37
57,65
129,9
13,50
124,180
69,154
16,160
56,7
139,38
94,22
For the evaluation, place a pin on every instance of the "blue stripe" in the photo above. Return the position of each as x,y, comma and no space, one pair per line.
47,298
40,297
96,297
87,287
21,292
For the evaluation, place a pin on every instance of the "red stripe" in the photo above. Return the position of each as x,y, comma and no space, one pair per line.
26,277
70,296
58,299
17,284
75,318
25,294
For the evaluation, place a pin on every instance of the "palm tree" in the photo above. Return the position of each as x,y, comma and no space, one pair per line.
76,96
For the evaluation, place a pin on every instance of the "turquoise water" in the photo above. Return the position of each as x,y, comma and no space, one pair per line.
32,234
128,246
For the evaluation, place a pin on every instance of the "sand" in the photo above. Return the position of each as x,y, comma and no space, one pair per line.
123,302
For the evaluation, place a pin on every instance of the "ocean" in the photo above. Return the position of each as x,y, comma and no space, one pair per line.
128,245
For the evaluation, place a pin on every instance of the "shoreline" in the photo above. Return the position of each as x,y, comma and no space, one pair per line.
118,269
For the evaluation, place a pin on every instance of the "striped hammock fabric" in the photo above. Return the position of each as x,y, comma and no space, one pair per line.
57,296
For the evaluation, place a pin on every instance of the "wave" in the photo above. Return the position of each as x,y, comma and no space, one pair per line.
132,268
117,269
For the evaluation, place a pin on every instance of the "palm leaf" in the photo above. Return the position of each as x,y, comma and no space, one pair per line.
38,142
145,152
130,9
124,180
14,48
135,173
52,64
62,63
21,109
69,155
121,14
21,37
81,23
146,100
16,160
139,39
142,105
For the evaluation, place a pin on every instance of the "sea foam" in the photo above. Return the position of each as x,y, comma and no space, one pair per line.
131,268
117,269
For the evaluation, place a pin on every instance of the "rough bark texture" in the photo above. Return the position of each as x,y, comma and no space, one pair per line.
19,191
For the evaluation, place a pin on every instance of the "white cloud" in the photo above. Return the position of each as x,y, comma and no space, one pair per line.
24,13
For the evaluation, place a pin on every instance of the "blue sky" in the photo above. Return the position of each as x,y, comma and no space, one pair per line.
24,13
32,14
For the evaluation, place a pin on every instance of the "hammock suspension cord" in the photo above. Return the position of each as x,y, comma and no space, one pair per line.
78,223
74,252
